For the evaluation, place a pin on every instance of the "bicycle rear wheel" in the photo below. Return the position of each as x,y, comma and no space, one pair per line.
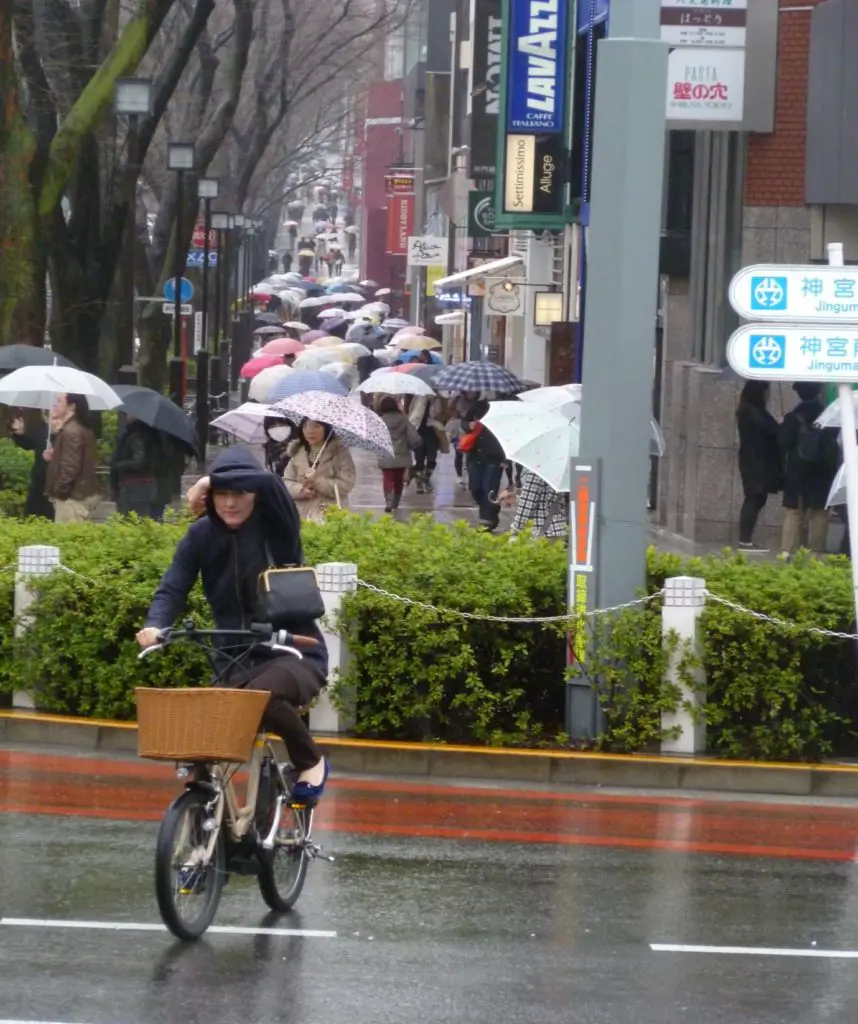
283,870
187,889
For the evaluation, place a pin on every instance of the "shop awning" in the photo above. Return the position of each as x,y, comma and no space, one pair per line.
483,270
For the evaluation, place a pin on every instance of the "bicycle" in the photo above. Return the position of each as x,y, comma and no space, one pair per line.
267,835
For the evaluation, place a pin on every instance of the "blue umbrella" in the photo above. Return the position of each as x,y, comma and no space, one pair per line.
340,288
406,357
306,380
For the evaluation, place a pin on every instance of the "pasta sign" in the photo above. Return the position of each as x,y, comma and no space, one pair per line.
536,72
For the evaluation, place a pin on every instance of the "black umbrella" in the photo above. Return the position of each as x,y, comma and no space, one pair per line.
157,412
264,319
13,357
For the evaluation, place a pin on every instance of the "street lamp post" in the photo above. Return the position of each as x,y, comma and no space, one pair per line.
132,98
220,224
180,158
207,189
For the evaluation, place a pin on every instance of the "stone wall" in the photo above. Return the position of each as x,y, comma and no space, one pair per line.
700,491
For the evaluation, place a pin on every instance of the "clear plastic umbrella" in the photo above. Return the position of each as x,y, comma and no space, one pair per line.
830,415
315,359
837,494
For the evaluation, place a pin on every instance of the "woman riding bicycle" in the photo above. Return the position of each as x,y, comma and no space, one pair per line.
249,521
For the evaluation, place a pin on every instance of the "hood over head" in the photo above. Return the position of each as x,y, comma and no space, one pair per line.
238,469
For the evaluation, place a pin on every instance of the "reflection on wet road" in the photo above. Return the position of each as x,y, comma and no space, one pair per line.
445,904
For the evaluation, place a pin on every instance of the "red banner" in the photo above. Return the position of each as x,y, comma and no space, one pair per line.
400,223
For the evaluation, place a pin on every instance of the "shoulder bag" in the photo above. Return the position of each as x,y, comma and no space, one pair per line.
288,594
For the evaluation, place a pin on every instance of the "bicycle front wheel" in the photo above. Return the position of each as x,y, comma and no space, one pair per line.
283,870
187,888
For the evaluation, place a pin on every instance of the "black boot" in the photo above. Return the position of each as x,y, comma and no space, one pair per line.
388,501
420,481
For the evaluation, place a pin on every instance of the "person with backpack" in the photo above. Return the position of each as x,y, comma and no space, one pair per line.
810,463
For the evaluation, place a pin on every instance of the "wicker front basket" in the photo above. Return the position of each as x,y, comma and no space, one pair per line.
198,725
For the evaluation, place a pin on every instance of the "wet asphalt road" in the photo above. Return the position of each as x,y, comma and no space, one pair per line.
449,903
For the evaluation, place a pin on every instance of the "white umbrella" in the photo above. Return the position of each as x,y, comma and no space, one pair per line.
354,348
355,425
566,400
36,387
265,380
416,343
338,313
541,441
394,384
296,325
315,359
406,332
245,422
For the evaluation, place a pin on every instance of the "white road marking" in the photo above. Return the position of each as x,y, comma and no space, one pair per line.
139,926
826,954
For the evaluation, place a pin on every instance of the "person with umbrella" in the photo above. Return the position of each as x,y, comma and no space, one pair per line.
485,465
278,434
71,483
320,470
34,437
133,480
405,439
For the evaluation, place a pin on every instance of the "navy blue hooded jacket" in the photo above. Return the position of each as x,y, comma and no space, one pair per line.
230,561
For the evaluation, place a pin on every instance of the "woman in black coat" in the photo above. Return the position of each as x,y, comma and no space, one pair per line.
34,439
759,456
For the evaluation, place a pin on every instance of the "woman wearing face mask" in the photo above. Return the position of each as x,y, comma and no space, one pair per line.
278,434
320,471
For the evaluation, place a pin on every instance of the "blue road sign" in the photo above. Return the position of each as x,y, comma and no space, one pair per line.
812,352
186,288
798,294
195,258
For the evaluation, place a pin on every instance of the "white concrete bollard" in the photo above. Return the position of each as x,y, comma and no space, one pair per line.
34,560
684,601
336,580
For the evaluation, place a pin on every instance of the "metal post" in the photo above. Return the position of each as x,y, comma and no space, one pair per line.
207,206
126,350
621,298
849,442
178,268
217,290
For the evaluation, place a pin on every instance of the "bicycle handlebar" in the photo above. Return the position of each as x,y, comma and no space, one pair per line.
260,634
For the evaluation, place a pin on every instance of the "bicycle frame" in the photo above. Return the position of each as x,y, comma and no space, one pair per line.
225,807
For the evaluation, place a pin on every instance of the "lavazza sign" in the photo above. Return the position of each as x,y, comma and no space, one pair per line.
536,60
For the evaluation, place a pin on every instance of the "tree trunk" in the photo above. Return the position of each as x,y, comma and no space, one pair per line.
21,296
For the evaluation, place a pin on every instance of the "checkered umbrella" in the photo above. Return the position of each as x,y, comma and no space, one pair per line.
478,376
354,424
308,380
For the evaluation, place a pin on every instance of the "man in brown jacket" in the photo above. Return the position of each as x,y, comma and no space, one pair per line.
72,484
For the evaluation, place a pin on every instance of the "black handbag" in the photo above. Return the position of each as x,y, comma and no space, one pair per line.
288,595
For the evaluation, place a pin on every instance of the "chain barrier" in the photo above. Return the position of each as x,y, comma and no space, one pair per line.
510,619
792,627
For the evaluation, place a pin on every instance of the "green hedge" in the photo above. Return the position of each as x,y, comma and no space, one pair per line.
417,675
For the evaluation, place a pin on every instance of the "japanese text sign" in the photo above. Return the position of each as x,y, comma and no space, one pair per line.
705,84
795,352
801,294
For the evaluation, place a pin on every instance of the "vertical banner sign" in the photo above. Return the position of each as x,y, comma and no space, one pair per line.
400,223
583,509
536,86
485,103
536,67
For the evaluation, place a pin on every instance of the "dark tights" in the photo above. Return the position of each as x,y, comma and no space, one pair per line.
751,508
292,684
